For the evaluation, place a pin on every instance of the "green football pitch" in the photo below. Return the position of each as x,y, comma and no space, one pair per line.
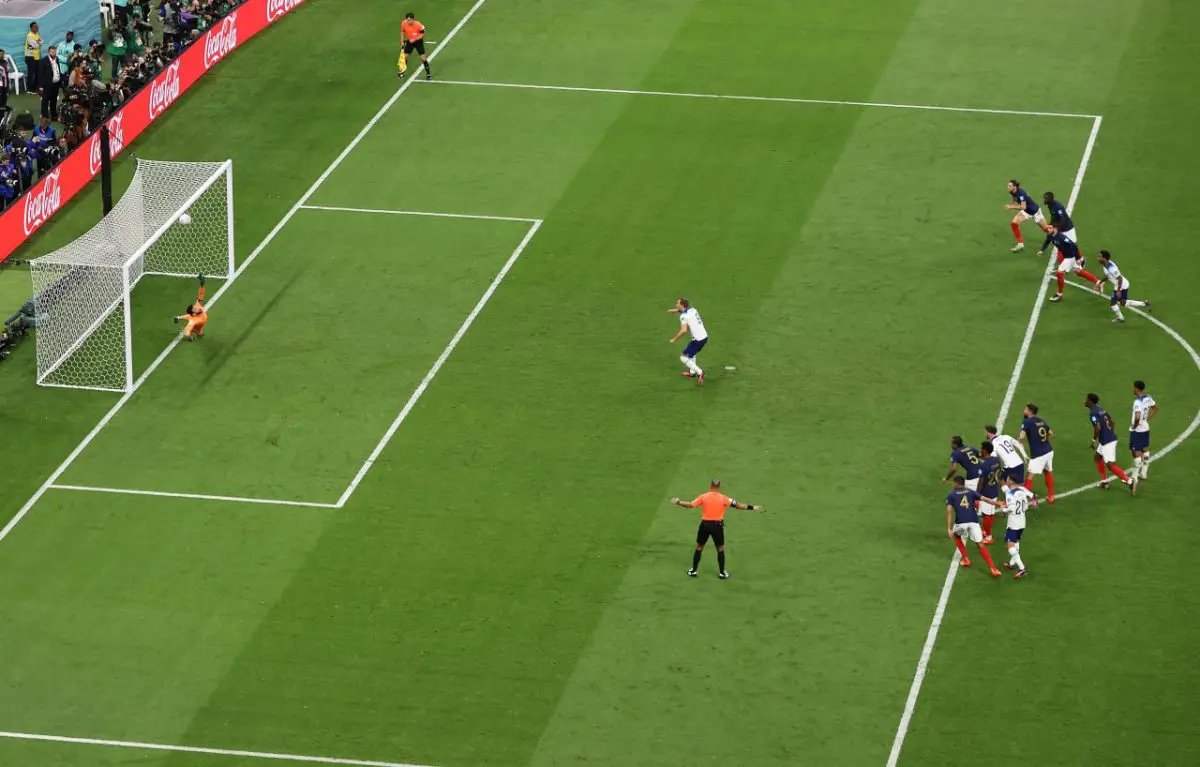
407,501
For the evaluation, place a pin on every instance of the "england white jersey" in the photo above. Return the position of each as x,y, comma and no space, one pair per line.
690,319
1008,450
1141,413
1115,277
1016,503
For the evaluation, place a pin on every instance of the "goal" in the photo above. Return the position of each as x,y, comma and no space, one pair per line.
175,219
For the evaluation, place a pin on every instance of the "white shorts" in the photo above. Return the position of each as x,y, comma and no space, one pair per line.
1108,452
1067,266
1037,217
1070,235
986,509
1042,463
973,484
969,530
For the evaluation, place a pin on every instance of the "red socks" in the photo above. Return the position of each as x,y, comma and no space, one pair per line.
988,521
962,549
1050,487
1016,231
1062,282
1100,468
1029,482
986,556
1121,475
1088,276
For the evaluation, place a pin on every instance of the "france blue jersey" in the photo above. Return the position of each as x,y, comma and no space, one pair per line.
963,501
1025,201
1060,217
990,470
1100,416
1064,245
968,458
1037,432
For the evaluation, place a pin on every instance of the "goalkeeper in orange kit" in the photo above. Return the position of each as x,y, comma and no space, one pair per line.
196,316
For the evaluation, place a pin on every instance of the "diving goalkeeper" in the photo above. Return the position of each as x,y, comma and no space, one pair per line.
195,316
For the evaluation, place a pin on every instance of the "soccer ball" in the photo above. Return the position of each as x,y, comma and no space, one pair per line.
185,219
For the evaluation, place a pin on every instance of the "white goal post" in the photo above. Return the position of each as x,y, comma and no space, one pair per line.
175,219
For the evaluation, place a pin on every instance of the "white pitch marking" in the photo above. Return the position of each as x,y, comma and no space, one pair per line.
386,212
441,360
200,750
772,99
120,403
194,496
910,705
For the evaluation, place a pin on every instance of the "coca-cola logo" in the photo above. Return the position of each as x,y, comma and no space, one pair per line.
277,8
42,202
221,40
164,90
116,142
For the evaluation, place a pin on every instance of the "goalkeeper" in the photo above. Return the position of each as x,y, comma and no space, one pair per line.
195,316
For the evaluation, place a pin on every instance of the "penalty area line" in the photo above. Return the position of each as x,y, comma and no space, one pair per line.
431,214
137,745
193,496
939,613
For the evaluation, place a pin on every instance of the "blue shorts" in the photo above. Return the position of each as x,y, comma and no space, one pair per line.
1118,296
1017,473
694,347
1139,441
1013,536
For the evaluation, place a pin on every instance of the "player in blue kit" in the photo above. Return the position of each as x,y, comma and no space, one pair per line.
1144,408
962,521
1069,260
1026,209
990,472
1016,503
1104,442
966,457
1059,217
1038,433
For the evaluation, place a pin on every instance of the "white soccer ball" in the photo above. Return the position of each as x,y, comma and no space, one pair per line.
185,219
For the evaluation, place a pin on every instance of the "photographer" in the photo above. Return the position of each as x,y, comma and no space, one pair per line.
21,151
10,181
45,143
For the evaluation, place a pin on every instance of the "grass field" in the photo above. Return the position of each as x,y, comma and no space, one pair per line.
406,503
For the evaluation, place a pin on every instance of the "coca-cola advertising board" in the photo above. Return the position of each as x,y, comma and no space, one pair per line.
28,213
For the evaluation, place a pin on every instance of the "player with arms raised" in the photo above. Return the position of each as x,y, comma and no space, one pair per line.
712,507
1017,500
690,322
1026,209
1144,408
1010,452
196,316
962,521
1041,453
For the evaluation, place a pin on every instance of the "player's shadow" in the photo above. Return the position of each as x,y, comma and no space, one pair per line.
224,354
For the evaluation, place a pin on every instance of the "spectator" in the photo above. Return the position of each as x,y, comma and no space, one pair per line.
50,82
116,48
169,12
4,75
33,54
65,49
134,45
45,137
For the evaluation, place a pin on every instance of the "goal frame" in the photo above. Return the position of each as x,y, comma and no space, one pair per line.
128,283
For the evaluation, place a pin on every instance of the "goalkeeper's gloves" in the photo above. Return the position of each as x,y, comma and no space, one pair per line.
201,278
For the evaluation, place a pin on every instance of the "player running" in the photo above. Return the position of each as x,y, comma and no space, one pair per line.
1060,218
968,458
989,480
1069,260
1026,209
1104,442
1144,408
690,322
962,521
1038,433
1016,503
1120,293
196,315
1010,452
712,523
414,40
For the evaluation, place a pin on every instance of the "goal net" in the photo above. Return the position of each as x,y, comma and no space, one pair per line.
175,219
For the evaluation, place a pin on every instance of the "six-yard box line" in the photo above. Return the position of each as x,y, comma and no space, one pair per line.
535,223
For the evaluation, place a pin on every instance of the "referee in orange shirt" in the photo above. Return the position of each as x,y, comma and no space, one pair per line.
712,523
414,41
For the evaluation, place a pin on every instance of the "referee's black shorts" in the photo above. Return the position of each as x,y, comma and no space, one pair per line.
709,528
414,45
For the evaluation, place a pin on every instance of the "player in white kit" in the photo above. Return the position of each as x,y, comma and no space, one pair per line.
1144,408
1120,292
690,322
1010,452
1016,503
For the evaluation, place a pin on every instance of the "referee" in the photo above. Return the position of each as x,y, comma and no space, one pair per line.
414,40
712,523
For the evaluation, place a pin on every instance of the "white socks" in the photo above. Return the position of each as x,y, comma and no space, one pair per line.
1117,311
691,365
1144,464
1015,556
1135,303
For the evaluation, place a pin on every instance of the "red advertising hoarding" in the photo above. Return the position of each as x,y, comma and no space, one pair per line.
27,214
